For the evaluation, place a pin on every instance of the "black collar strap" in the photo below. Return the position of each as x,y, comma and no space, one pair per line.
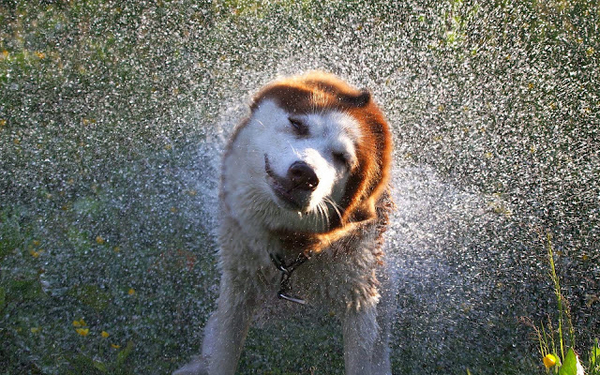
286,273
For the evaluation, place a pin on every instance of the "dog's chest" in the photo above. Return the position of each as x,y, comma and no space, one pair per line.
337,280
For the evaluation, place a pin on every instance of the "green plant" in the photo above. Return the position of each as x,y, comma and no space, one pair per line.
556,345
594,362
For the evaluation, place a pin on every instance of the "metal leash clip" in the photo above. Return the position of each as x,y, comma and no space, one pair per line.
286,274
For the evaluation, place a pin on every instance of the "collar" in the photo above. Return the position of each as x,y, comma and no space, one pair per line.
286,273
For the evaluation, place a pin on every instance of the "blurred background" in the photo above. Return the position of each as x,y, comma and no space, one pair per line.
113,116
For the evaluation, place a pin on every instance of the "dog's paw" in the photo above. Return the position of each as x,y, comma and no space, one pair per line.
197,366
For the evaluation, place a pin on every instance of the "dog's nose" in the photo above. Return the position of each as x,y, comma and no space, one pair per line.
303,176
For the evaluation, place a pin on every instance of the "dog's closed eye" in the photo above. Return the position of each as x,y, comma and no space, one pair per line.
300,128
342,158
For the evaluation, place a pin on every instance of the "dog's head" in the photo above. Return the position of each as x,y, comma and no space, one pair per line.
320,152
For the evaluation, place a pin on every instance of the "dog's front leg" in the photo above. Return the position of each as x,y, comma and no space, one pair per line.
380,364
227,328
360,332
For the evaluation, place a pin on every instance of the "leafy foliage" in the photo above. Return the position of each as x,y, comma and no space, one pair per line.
103,190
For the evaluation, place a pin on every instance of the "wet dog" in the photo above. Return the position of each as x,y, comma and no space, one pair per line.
304,202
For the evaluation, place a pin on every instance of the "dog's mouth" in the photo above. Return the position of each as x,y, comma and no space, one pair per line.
285,191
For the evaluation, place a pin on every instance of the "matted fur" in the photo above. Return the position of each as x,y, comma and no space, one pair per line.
306,173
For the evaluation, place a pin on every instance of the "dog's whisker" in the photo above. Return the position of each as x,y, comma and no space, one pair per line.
336,207
324,215
316,215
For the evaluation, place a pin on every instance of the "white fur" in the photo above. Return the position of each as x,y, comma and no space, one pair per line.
347,276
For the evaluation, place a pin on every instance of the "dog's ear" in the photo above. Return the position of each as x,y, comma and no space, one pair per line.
356,100
363,99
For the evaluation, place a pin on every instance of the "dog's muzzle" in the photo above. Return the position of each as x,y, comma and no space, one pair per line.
295,189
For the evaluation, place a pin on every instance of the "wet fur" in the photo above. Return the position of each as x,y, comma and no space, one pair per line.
339,222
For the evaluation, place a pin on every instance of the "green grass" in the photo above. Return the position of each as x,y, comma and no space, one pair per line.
103,106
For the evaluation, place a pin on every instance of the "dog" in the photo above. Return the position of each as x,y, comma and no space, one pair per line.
304,203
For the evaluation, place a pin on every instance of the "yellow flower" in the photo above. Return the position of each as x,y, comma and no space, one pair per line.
35,254
105,334
131,291
549,361
79,323
87,121
83,331
35,329
100,240
590,51
115,346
